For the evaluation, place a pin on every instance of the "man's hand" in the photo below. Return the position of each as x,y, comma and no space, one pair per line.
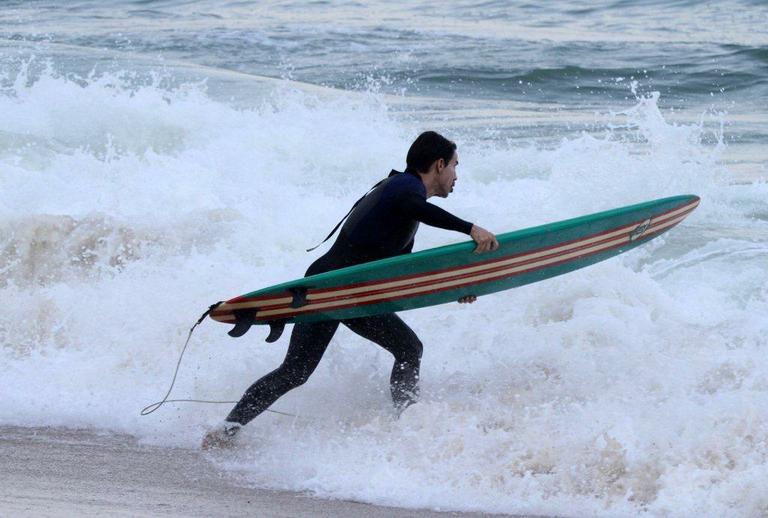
469,299
486,241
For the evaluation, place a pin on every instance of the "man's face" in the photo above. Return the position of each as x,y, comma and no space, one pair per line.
446,178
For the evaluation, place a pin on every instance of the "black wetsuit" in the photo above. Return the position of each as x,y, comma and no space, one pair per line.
383,224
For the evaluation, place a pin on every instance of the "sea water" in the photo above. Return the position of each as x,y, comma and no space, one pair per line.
156,157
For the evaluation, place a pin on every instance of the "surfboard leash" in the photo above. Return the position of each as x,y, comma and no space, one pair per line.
154,406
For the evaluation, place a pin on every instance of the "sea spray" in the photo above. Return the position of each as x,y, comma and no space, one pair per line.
635,384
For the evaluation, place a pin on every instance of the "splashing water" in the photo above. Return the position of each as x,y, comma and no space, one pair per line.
633,385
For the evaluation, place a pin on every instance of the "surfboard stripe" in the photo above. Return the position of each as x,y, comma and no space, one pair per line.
454,282
490,271
367,287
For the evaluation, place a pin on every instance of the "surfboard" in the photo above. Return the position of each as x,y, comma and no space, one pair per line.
447,273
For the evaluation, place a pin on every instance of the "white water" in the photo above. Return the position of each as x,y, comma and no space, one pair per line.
636,384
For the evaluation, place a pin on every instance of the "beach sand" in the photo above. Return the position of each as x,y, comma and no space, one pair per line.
65,472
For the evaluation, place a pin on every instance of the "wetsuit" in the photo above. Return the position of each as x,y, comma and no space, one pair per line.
383,224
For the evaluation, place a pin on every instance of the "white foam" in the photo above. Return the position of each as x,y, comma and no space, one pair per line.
633,385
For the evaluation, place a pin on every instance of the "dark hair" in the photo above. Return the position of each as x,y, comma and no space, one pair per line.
428,147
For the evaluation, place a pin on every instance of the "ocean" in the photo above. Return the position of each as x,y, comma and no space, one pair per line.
157,156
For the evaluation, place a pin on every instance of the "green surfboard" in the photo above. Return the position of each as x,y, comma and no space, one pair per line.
447,273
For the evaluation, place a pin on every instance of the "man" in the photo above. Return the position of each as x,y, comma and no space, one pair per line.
382,224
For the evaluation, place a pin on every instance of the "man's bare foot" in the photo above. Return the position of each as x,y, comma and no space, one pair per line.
221,437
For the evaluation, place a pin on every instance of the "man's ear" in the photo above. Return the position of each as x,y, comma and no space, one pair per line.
440,165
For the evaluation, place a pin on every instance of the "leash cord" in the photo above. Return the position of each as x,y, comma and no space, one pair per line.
154,406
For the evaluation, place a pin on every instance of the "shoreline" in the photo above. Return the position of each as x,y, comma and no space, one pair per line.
65,472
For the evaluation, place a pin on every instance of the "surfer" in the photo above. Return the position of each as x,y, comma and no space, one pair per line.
382,224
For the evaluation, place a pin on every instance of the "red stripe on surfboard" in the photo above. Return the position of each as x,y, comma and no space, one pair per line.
352,297
351,304
484,271
237,300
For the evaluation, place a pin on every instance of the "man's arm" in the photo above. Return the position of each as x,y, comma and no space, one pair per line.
415,207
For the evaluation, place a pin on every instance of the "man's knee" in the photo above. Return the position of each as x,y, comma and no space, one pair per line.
418,347
295,376
411,351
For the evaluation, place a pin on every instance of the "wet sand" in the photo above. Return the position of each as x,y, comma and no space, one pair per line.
64,472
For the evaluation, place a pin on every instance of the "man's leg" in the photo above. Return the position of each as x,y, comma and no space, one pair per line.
395,336
307,346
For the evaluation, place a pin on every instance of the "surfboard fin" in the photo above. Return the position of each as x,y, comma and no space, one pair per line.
243,322
276,329
245,318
